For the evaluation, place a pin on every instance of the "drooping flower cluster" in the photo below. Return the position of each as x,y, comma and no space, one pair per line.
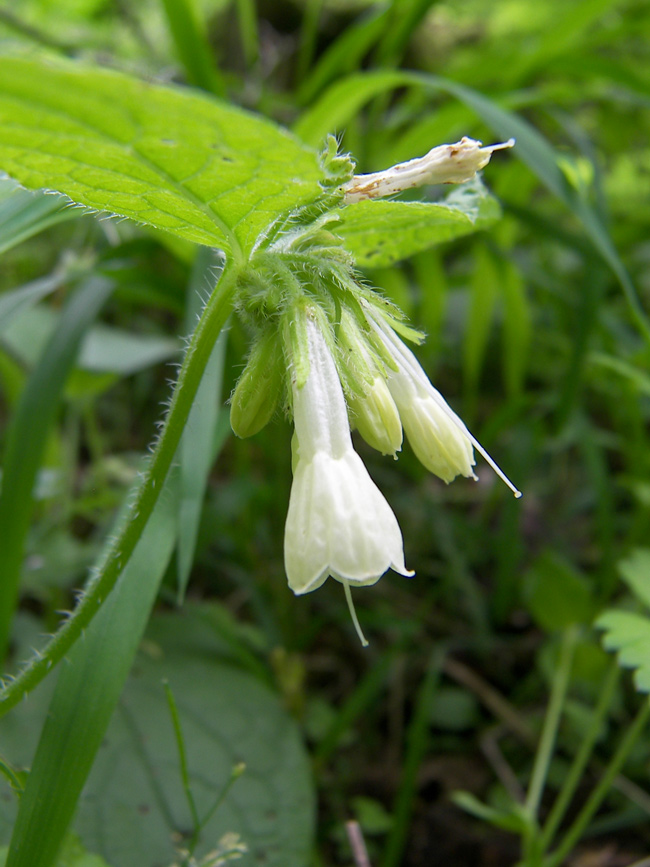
330,349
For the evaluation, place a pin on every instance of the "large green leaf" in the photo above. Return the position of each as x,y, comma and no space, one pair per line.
72,854
134,800
168,157
380,232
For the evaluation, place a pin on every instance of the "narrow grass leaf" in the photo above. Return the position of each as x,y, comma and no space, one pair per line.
403,19
86,694
516,328
484,291
24,214
247,14
104,348
417,739
635,375
15,301
197,446
190,38
168,157
27,435
344,55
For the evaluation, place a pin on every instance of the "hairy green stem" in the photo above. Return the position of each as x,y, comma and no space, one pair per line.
600,792
579,764
104,578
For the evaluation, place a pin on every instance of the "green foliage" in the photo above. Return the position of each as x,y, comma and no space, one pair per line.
626,632
73,854
558,595
26,440
23,214
528,335
380,233
168,158
133,816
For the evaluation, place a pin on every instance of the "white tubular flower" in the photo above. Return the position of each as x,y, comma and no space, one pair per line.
437,435
338,522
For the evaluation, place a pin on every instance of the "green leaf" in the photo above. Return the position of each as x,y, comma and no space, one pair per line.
104,349
379,233
558,595
636,376
508,820
146,494
627,632
72,854
26,437
516,327
15,301
344,54
24,214
134,801
629,635
635,571
167,157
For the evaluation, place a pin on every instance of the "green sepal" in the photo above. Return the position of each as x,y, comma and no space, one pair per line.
259,388
296,342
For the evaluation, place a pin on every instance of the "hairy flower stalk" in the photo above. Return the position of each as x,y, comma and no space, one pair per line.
338,523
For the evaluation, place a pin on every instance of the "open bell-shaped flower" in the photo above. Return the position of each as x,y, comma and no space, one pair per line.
338,522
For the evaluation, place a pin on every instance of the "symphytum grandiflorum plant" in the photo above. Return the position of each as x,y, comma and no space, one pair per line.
292,227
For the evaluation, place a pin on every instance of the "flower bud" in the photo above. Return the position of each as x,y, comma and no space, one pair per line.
372,409
259,388
375,416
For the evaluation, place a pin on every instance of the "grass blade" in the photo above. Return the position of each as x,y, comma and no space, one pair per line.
197,445
28,433
86,694
192,45
24,214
